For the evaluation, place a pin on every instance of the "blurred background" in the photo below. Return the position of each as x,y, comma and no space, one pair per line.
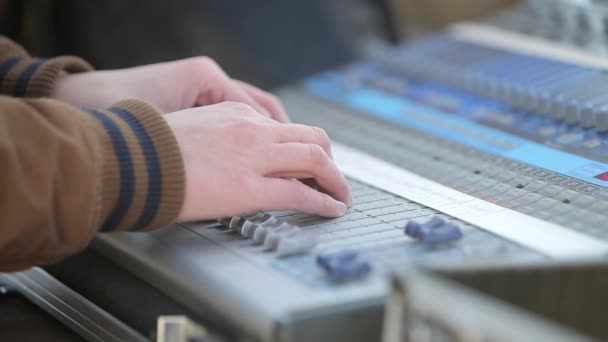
268,43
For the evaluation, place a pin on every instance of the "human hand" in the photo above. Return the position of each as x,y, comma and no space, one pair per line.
238,161
170,87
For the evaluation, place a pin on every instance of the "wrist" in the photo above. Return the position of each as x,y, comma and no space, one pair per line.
143,176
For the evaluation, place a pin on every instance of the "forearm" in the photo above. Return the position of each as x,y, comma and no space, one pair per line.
68,173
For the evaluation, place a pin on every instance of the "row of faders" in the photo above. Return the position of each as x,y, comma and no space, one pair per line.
288,239
339,266
274,234
579,23
568,93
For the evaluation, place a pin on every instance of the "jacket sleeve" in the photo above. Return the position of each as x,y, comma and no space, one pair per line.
24,76
67,173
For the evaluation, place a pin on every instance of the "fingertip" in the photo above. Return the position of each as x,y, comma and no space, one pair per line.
283,118
349,200
282,113
342,208
345,193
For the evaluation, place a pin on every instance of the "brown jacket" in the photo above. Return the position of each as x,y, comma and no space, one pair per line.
67,173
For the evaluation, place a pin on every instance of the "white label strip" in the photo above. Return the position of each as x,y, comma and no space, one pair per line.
545,237
517,42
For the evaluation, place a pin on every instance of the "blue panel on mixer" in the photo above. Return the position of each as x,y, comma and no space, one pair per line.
425,118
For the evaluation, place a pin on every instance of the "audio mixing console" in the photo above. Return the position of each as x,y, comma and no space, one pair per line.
476,145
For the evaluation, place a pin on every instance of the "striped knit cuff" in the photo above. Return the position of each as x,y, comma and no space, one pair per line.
22,76
143,175
9,48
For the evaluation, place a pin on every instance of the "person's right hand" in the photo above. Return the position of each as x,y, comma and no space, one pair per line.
238,161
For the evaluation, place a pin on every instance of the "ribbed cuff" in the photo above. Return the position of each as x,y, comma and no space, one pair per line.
142,181
8,49
22,76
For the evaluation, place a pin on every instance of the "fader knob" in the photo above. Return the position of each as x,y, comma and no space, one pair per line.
573,114
587,120
601,119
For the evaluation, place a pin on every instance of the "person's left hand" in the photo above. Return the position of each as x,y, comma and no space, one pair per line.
170,87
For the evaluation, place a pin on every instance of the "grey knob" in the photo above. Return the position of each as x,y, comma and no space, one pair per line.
601,119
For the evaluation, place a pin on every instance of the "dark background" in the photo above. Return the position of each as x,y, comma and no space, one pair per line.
268,43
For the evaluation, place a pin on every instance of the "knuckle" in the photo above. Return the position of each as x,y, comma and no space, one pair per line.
210,69
321,135
207,62
243,126
326,204
316,154
273,99
240,107
299,196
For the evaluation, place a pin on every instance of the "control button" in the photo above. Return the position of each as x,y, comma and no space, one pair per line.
252,223
587,120
513,165
568,196
285,238
521,180
569,138
434,231
298,242
505,175
434,222
249,228
556,108
234,223
547,203
259,235
601,119
493,191
561,209
541,174
600,207
592,143
527,170
499,189
587,188
556,179
512,194
273,235
573,115
325,260
551,190
582,201
446,233
572,183
536,185
487,182
603,193
344,266
528,198
547,131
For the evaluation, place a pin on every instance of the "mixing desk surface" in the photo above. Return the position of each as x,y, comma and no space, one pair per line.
473,146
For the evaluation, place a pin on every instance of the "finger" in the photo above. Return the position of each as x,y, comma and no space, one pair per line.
237,94
289,194
307,161
303,134
221,88
309,182
270,102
